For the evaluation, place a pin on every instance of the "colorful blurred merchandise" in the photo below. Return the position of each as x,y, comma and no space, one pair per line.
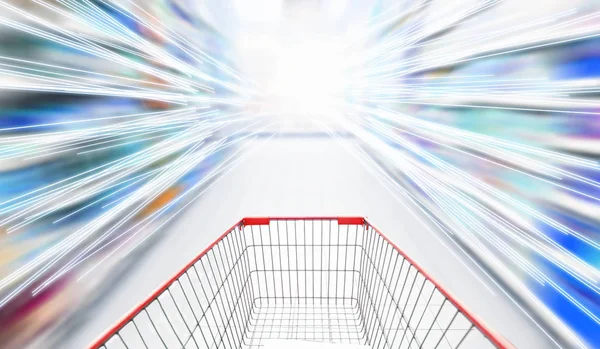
28,316
50,137
516,133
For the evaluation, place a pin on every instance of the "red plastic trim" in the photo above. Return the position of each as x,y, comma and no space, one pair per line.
256,221
351,220
303,218
248,221
495,338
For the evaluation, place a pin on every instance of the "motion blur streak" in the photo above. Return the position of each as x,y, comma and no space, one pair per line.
116,115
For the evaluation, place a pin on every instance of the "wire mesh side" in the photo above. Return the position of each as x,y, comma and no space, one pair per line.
318,280
207,306
402,308
304,275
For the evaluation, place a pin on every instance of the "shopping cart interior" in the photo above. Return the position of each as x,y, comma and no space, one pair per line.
285,281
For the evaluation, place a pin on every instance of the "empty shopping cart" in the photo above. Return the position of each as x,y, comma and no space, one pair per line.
315,279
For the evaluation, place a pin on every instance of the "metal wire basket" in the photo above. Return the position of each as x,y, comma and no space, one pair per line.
325,279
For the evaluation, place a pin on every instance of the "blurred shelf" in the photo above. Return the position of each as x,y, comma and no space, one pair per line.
7,165
586,146
518,46
515,102
578,207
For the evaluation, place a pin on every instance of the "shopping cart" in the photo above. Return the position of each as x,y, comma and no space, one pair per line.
320,279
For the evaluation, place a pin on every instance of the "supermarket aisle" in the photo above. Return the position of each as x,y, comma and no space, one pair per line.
299,177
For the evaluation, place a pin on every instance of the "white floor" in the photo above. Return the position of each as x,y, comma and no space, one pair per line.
297,178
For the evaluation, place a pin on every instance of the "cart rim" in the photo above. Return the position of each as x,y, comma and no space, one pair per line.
496,339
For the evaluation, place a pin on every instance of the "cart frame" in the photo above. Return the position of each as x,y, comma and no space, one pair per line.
476,323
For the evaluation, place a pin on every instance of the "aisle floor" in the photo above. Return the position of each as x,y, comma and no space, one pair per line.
287,177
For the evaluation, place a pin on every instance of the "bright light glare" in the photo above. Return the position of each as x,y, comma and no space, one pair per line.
308,77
